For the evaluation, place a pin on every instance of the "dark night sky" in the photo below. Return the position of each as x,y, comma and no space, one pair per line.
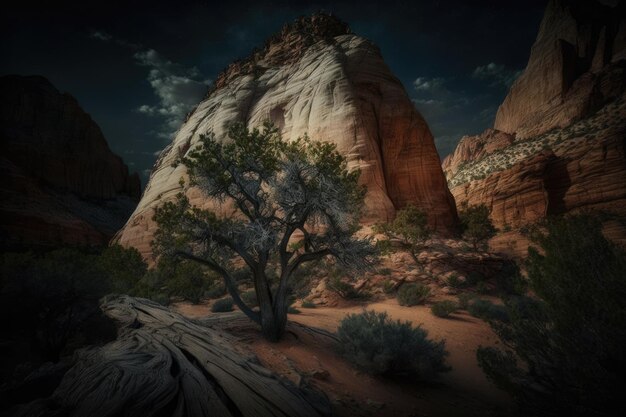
137,67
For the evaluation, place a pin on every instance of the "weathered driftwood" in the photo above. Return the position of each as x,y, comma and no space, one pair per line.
163,364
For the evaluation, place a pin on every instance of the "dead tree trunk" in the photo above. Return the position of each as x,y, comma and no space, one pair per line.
163,364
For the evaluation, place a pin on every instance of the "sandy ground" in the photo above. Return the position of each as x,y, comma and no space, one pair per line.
309,358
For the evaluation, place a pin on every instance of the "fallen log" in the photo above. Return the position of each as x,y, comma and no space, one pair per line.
162,364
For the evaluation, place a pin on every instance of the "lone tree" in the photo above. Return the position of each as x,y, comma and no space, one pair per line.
295,203
476,225
410,228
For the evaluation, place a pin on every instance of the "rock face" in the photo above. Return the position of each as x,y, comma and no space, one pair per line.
61,182
575,66
316,77
559,139
164,364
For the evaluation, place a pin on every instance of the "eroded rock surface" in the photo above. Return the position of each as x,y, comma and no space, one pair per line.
317,78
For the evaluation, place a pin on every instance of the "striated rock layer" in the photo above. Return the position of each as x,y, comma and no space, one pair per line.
559,139
61,182
316,77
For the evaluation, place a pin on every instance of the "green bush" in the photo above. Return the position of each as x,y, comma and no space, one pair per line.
476,224
509,280
308,304
389,286
222,305
572,339
454,281
412,294
293,310
378,345
216,290
444,308
249,297
465,299
486,310
346,290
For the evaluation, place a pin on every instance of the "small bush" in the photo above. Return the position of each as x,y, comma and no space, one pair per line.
385,271
249,297
465,299
223,305
308,304
346,290
486,310
412,294
388,286
378,345
215,291
293,310
454,281
444,308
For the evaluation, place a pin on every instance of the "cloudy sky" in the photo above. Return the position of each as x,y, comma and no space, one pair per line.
138,67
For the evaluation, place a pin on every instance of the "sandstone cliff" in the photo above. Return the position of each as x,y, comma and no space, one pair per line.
316,77
559,139
61,182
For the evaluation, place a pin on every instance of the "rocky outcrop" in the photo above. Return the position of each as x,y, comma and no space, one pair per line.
564,121
317,78
164,364
575,67
61,182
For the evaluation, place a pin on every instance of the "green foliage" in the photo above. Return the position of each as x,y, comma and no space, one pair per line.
174,277
410,227
486,310
124,266
346,290
572,339
465,299
454,281
249,297
222,305
280,189
476,225
308,304
444,308
412,294
216,290
378,345
509,280
293,310
389,286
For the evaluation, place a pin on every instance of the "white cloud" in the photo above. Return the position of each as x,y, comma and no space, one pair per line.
179,90
101,36
428,84
497,74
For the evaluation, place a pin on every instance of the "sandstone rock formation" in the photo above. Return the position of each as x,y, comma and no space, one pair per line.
575,66
565,123
164,364
61,182
316,77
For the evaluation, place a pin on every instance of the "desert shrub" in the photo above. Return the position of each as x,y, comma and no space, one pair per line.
249,297
216,290
308,304
486,310
444,308
571,340
222,305
388,286
293,310
385,271
378,345
482,287
454,281
346,290
465,299
124,266
412,294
